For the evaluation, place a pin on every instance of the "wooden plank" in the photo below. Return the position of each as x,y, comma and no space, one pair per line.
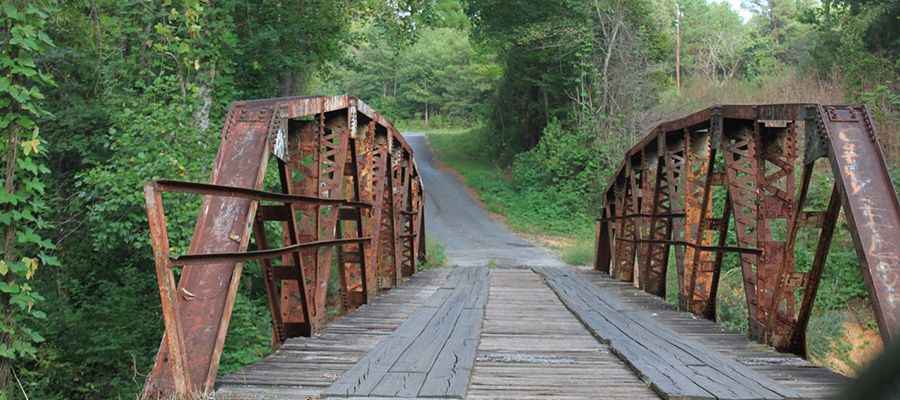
531,347
809,380
420,355
304,366
399,384
676,367
449,375
441,336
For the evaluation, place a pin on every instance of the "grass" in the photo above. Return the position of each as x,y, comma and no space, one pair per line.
435,256
581,252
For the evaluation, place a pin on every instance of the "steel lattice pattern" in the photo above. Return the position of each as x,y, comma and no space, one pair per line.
348,187
724,181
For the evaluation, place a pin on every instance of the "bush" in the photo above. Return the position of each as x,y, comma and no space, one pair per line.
563,163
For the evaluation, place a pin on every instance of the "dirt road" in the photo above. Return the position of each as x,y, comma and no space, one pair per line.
457,221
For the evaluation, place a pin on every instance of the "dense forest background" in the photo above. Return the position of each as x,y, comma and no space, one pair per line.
99,96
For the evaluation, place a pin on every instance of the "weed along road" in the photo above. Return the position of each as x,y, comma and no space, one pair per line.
462,226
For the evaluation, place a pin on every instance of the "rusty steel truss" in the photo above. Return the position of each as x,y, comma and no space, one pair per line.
348,192
734,181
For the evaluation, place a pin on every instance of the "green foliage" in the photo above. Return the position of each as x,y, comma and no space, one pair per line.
25,248
564,162
281,49
142,89
104,327
249,335
576,61
827,337
439,78
731,304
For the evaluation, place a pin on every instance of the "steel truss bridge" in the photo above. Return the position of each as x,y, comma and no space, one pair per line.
326,185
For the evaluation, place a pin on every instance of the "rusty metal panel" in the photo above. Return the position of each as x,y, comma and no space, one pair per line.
333,196
700,266
333,141
385,254
204,292
663,195
660,228
676,161
870,204
627,235
302,173
646,197
778,154
603,237
365,154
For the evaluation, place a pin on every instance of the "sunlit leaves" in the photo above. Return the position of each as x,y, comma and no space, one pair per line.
31,147
31,266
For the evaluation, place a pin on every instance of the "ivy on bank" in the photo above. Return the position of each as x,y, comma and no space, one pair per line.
22,199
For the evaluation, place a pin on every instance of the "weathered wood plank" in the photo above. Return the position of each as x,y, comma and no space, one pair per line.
431,352
514,339
304,367
533,348
787,369
399,384
676,367
450,373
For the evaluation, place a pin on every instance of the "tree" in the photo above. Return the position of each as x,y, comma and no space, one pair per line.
437,74
142,90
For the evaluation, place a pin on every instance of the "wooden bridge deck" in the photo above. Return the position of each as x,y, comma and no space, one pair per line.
304,367
416,342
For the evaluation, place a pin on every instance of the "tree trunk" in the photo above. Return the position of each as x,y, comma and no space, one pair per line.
204,82
677,48
201,114
609,49
288,84
546,104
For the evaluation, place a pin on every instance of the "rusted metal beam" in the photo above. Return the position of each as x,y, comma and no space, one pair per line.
699,247
639,215
250,194
700,268
327,165
173,341
729,173
204,259
870,204
272,284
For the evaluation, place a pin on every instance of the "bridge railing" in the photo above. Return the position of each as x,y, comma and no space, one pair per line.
348,181
736,180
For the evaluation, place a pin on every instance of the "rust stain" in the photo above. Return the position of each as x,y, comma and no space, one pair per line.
759,147
343,213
